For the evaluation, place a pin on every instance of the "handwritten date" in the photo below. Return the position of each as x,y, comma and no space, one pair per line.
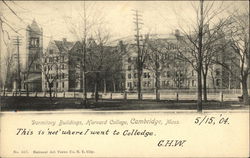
211,120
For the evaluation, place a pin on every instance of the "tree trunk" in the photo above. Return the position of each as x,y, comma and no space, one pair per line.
50,92
96,87
199,72
104,86
27,89
157,65
199,97
157,86
213,80
4,90
205,87
114,89
245,91
139,84
84,85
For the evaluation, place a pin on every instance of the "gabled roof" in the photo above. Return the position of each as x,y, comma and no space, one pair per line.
64,45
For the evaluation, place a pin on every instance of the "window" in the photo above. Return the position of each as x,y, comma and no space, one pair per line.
129,60
135,84
168,73
168,83
218,82
135,75
56,84
62,66
129,68
79,51
146,75
50,51
129,76
34,42
38,66
168,65
193,83
163,83
129,85
62,84
217,72
62,75
149,84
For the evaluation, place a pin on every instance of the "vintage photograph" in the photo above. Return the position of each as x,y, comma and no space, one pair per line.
124,55
124,79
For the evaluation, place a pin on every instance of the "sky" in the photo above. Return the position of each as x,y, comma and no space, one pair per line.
57,17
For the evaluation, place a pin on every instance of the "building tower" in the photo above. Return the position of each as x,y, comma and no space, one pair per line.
34,47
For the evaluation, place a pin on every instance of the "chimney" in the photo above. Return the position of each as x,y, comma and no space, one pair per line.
120,43
177,32
64,40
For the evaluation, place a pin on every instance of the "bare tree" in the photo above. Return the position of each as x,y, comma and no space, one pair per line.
142,56
6,28
33,59
97,56
113,67
237,34
214,40
157,60
82,29
8,67
51,72
196,43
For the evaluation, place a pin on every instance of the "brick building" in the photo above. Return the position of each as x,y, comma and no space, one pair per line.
34,50
63,68
60,65
176,73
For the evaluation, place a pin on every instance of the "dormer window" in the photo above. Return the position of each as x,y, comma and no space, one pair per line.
50,51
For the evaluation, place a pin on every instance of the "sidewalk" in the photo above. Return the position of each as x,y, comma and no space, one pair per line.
93,111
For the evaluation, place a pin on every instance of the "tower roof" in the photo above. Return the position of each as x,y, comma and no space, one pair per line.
34,26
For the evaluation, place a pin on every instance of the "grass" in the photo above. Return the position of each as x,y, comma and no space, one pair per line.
20,103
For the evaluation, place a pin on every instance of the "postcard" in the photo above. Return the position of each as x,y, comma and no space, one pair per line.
124,79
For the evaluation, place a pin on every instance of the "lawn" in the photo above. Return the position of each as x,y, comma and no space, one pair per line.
20,103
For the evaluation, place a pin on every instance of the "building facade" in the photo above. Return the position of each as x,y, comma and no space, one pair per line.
174,72
34,50
63,67
60,66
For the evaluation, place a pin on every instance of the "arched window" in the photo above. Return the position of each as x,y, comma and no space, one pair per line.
218,82
34,42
